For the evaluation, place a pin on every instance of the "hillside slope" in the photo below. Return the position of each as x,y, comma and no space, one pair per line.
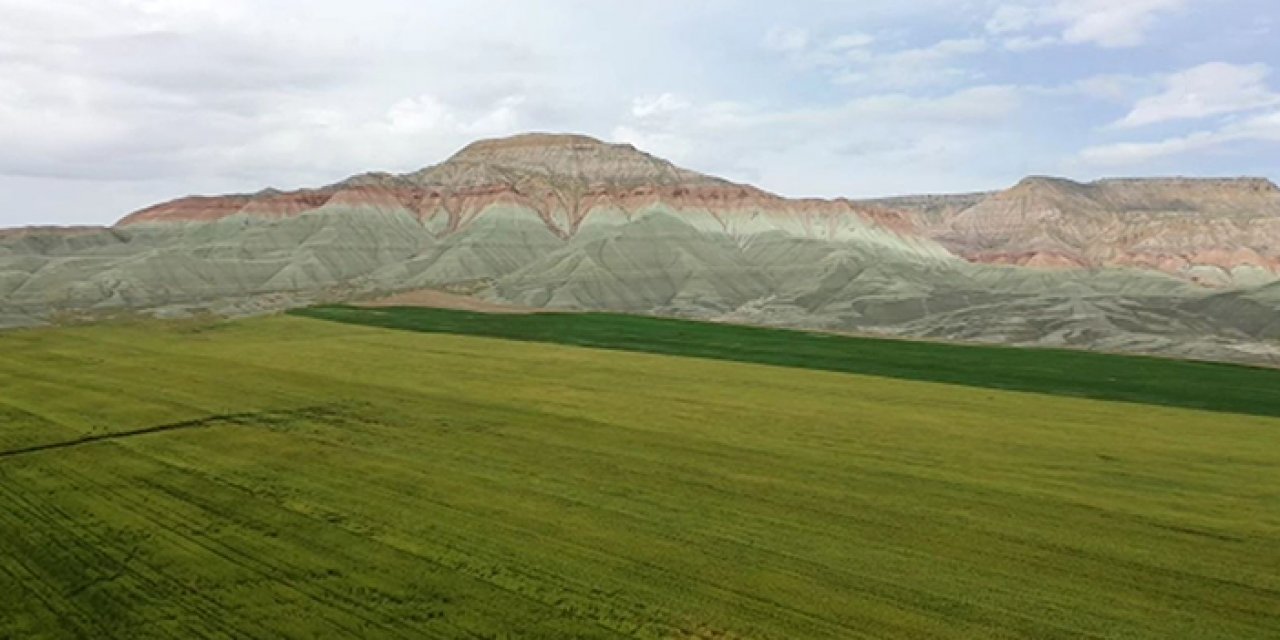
1214,232
563,221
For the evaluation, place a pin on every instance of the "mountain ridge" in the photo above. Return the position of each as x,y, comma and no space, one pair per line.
1040,222
1171,266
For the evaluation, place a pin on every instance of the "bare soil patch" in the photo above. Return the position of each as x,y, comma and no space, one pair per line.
435,299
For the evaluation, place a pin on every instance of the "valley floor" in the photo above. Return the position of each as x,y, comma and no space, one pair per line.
291,477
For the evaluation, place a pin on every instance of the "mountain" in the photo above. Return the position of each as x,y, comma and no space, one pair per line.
1211,231
1181,267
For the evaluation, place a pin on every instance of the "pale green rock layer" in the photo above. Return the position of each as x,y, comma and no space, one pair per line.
660,261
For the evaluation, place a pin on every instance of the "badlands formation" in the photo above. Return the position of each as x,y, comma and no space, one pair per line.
1180,267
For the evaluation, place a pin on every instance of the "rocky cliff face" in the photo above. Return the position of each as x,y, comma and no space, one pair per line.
570,222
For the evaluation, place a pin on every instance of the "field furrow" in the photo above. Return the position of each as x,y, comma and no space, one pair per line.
291,478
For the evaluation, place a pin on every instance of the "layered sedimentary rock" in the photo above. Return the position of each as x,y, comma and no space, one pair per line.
1216,232
1174,266
566,182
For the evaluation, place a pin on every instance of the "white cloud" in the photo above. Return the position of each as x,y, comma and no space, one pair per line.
1108,23
670,146
136,89
849,59
656,106
918,67
1207,90
1105,23
1212,89
310,143
786,39
428,114
876,144
165,97
1261,128
1114,87
850,41
1012,18
114,104
1133,153
1029,43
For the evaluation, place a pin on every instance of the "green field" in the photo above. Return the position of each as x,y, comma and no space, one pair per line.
292,477
1180,383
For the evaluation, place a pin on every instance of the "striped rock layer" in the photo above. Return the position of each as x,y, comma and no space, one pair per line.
1184,267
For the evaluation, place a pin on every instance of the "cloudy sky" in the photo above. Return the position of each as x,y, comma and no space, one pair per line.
110,105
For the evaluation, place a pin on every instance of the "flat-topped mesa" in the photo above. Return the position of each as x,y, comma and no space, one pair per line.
1148,193
539,170
562,159
1055,182
565,179
1244,183
1039,200
1215,231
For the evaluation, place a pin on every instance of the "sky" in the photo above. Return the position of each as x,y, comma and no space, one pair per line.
107,106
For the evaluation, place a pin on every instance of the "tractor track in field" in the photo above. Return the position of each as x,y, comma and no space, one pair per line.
222,419
230,418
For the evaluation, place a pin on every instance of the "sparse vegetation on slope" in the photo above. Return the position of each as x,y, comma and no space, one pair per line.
1201,385
569,222
346,481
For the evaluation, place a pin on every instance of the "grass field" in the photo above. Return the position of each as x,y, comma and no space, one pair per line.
289,477
1198,385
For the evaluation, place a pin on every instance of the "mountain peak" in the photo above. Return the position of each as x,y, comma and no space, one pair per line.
1045,179
1047,183
561,158
531,140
